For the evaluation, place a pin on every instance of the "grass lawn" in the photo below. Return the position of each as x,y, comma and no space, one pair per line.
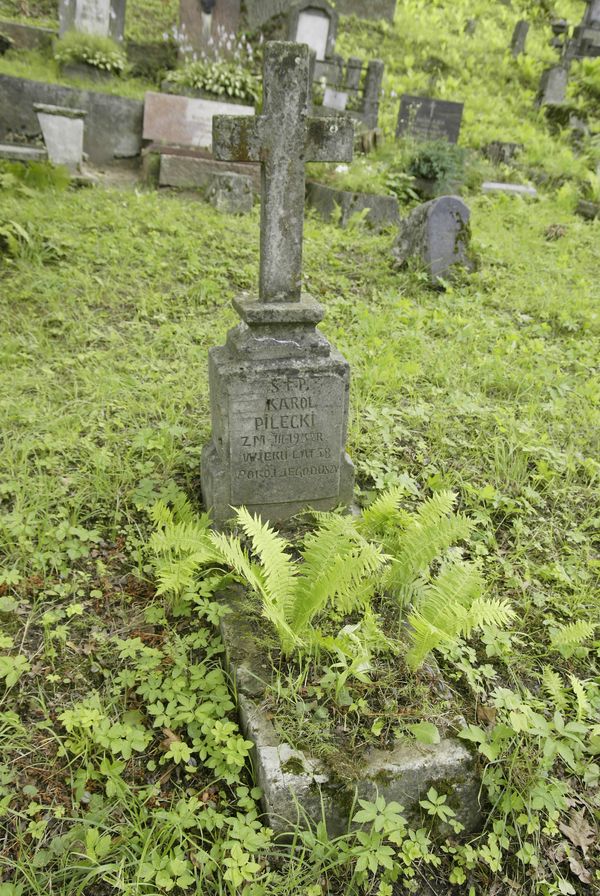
122,769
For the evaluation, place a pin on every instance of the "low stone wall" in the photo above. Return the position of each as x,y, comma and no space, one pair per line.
383,210
28,37
113,126
367,9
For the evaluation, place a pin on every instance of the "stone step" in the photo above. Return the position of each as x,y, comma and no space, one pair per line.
186,170
15,152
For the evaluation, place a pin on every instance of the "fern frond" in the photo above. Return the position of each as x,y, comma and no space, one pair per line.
573,634
278,567
451,607
431,531
554,687
488,611
180,538
177,574
384,513
425,637
339,566
233,554
160,514
584,707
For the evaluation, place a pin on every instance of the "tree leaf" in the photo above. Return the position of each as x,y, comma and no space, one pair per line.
425,733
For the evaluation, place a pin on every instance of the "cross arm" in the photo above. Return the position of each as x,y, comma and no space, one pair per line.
237,139
329,139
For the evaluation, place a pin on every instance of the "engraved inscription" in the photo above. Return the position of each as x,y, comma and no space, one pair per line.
286,439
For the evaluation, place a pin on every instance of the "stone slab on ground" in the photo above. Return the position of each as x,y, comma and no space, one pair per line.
184,171
298,787
16,152
182,121
490,186
383,210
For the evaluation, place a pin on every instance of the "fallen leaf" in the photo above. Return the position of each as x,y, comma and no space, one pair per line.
486,714
170,738
578,831
579,870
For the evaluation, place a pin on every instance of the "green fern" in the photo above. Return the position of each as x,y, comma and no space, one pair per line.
451,607
340,567
339,570
572,635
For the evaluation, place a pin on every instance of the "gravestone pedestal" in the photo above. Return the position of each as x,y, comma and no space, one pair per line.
279,407
279,392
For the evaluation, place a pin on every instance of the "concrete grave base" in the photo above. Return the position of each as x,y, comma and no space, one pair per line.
383,210
300,789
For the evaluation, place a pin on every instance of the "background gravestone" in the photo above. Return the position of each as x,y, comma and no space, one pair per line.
279,392
438,234
553,86
105,18
428,119
519,38
225,21
314,22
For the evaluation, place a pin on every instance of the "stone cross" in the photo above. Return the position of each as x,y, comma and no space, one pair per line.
283,139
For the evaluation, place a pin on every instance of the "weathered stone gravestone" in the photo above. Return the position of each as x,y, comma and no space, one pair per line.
553,86
519,38
314,22
62,129
206,23
586,37
428,119
183,121
106,18
279,392
438,234
231,193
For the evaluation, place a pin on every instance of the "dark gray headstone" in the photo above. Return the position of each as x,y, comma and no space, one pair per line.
438,234
105,18
278,390
428,119
519,38
553,86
